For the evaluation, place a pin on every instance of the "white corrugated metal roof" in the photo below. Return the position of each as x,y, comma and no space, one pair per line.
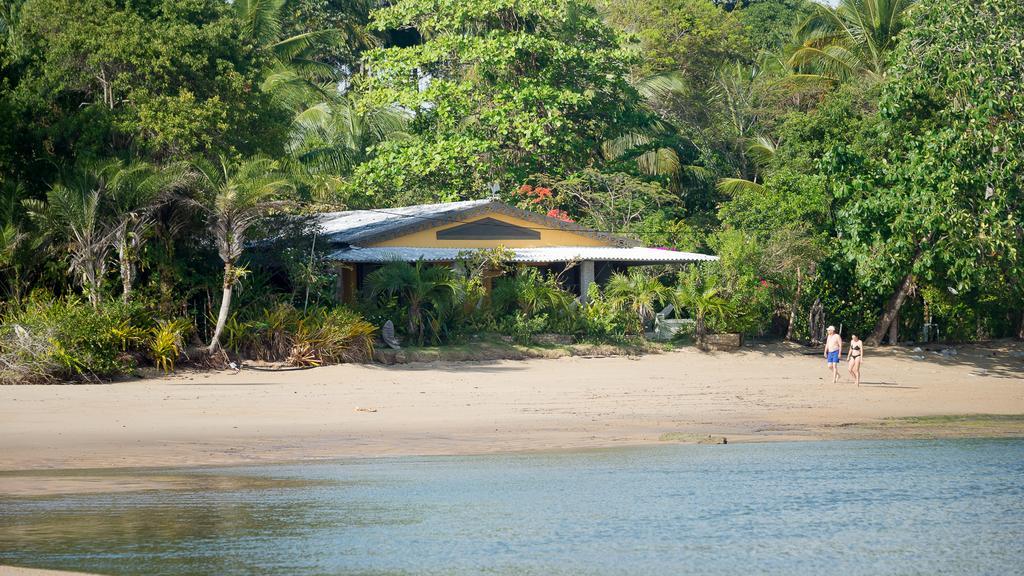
532,255
349,227
370,226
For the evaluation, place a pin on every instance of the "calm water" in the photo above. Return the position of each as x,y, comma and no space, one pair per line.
909,507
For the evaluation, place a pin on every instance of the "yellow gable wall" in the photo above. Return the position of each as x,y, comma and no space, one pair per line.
428,238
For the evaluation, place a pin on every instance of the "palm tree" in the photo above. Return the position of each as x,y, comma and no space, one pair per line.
16,242
655,146
703,303
298,76
332,137
75,211
74,214
853,39
137,190
235,196
762,150
428,292
636,293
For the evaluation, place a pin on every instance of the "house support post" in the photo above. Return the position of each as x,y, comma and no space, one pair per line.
586,278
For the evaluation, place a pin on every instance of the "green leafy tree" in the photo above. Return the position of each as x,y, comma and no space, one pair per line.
603,201
158,78
769,24
690,37
943,204
500,90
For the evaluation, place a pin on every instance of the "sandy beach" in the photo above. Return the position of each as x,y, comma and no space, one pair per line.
764,392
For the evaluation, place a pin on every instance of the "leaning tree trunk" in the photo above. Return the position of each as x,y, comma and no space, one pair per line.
225,306
894,330
897,299
892,308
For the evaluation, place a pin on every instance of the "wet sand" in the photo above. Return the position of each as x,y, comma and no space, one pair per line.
762,393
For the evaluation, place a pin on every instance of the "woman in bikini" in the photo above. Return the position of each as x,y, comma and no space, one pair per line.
854,357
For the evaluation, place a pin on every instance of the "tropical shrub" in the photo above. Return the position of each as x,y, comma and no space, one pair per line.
637,293
522,328
330,336
274,330
429,294
704,304
743,275
56,339
167,342
239,334
530,292
601,319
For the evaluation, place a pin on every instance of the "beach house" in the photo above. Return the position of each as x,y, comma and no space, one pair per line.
363,240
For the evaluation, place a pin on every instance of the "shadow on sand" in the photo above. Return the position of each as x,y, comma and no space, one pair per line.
997,358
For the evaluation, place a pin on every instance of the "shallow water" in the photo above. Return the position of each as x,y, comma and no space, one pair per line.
900,507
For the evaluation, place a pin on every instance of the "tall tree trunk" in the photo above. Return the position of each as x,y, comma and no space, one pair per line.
891,309
225,306
127,271
92,279
894,330
793,306
167,278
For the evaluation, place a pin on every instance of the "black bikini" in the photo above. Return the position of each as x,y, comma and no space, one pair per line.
855,347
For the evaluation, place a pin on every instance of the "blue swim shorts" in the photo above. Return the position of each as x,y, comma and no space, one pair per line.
833,357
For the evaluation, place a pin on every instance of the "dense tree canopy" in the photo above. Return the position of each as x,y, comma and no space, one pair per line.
859,160
499,90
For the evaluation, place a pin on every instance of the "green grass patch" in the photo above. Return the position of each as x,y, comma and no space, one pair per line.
492,347
960,420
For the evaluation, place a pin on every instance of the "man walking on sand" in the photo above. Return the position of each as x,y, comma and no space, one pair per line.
833,349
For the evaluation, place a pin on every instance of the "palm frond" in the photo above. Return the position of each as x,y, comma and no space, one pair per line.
762,149
260,19
665,85
731,186
851,39
301,45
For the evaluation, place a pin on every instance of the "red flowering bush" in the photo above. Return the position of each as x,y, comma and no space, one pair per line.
533,197
560,214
